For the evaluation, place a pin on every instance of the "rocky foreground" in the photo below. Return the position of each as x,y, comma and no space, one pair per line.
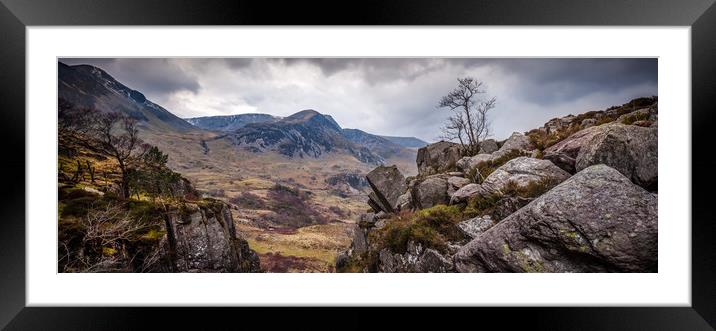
576,195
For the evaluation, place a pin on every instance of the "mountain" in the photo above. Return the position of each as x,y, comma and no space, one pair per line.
307,133
91,87
230,122
410,142
376,144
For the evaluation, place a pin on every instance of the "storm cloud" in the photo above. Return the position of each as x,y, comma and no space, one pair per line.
389,96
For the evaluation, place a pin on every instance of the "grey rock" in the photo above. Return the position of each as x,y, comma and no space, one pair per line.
388,184
431,191
488,146
474,227
203,239
359,244
465,193
405,201
588,122
564,153
632,150
437,157
596,221
517,141
523,171
415,259
465,164
456,183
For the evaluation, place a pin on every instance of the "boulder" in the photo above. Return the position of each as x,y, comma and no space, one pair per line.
405,201
429,192
455,183
415,259
465,193
564,153
359,244
588,122
523,171
437,157
202,238
474,227
375,203
367,220
632,150
516,141
596,221
388,184
488,146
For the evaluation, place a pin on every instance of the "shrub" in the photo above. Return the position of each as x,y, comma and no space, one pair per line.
630,119
248,200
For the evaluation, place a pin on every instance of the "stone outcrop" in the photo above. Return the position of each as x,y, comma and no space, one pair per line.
437,157
202,238
415,259
596,221
523,171
630,149
388,184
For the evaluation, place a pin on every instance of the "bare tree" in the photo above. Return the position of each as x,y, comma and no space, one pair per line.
116,135
468,124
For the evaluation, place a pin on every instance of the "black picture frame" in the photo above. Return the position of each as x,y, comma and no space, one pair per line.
16,15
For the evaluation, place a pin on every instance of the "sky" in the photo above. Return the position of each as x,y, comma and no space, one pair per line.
387,96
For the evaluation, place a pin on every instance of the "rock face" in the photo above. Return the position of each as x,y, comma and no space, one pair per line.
430,192
203,239
388,184
415,259
630,149
596,221
437,157
523,171
564,153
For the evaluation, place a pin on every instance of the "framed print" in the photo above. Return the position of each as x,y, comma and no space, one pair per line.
468,156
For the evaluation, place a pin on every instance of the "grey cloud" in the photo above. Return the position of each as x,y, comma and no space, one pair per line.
393,96
155,77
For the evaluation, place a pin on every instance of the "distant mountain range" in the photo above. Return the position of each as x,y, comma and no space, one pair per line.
228,123
306,133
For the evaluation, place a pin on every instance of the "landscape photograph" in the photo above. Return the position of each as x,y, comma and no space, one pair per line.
357,165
